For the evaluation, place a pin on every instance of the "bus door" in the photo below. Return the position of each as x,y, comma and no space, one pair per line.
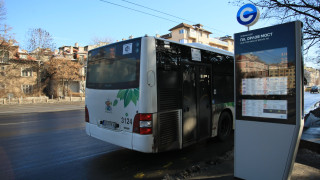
196,106
204,101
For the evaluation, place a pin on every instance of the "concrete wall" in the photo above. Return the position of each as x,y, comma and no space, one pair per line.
43,99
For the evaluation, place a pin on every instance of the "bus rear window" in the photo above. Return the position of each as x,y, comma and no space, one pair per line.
115,66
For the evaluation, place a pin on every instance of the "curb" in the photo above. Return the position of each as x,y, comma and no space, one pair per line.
312,146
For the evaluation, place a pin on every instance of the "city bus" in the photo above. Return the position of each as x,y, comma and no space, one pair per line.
152,95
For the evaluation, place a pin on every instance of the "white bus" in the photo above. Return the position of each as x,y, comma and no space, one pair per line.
151,95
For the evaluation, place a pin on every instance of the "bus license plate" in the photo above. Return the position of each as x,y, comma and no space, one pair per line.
109,124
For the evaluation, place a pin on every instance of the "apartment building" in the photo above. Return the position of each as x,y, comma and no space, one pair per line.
89,47
43,55
21,71
185,33
76,54
18,73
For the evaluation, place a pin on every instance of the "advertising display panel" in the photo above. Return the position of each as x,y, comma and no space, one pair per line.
265,76
268,100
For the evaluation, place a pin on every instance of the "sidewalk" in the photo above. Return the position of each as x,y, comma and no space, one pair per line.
306,166
41,107
37,100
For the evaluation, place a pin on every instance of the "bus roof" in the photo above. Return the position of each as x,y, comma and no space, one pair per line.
201,46
210,48
192,45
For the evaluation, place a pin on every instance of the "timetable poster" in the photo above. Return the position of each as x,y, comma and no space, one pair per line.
265,86
265,108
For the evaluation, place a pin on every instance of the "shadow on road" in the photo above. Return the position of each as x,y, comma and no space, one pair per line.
128,164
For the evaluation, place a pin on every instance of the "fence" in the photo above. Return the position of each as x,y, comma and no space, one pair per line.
42,99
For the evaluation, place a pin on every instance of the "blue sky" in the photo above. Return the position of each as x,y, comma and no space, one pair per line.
71,21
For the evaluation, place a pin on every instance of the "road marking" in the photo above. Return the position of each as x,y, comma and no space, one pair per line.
8,124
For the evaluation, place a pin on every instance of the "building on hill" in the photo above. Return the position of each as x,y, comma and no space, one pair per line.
76,86
25,74
69,85
75,52
185,33
8,51
43,55
89,47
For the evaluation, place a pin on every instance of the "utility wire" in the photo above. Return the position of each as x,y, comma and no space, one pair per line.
105,1
172,16
138,11
159,11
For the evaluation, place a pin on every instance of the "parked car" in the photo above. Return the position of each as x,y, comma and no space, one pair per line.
314,89
307,89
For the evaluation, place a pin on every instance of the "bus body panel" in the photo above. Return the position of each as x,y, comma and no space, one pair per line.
143,143
112,91
108,105
148,93
148,84
158,92
120,138
104,106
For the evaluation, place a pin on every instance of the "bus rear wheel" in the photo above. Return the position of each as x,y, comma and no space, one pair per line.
224,126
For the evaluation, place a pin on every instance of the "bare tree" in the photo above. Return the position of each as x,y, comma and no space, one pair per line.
7,43
6,38
63,70
3,11
307,11
99,40
307,76
39,42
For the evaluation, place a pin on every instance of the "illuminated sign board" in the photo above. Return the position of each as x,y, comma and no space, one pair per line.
268,100
265,77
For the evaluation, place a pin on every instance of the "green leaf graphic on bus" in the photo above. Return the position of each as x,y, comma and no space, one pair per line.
128,95
115,102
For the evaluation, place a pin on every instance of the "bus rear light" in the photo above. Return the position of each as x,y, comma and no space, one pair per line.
86,114
142,124
145,124
145,130
145,117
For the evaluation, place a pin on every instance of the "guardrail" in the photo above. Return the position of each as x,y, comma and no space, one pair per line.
42,99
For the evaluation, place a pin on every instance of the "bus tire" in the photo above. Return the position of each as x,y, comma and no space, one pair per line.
224,126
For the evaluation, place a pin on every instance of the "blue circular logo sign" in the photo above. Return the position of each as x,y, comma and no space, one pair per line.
248,15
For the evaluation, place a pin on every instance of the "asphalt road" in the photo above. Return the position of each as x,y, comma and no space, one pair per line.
53,145
46,145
